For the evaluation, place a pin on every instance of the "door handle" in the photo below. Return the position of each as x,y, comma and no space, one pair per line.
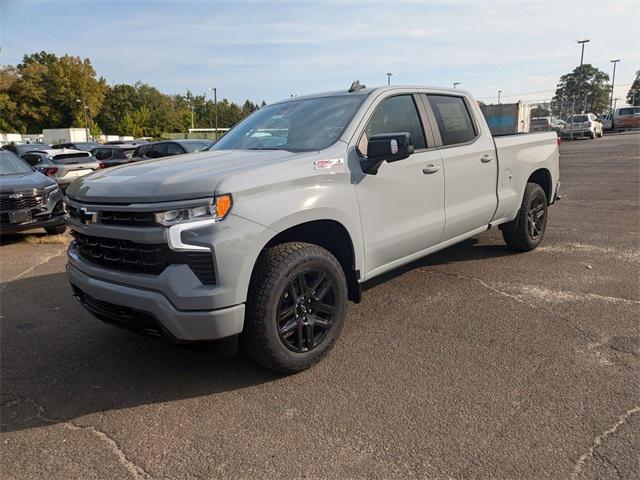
486,158
429,169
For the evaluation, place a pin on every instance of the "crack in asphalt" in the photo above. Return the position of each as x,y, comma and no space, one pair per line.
599,439
135,470
33,267
517,298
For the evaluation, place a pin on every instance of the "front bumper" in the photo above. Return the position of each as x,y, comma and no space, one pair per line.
117,302
53,221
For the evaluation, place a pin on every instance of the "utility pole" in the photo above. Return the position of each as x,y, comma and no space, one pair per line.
613,84
455,84
191,107
499,93
389,75
84,115
215,108
581,42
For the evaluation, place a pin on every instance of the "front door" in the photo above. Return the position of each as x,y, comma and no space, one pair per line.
402,206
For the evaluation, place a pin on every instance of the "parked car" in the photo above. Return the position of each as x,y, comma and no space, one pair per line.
606,121
112,155
84,146
546,124
171,147
583,125
63,166
127,142
626,118
28,199
269,242
22,148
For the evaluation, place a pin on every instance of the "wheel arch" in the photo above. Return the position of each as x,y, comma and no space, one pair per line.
542,177
331,235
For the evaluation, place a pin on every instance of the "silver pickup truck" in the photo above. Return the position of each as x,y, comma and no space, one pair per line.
265,238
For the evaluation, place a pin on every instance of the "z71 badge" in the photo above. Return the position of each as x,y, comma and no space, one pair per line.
328,163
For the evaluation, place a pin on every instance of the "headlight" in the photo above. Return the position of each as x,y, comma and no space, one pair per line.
215,211
51,188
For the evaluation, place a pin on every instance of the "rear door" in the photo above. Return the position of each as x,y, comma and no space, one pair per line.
402,206
470,165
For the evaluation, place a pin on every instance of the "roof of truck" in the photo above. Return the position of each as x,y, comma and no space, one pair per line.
367,91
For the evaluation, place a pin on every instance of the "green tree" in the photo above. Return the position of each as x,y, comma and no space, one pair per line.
585,89
633,97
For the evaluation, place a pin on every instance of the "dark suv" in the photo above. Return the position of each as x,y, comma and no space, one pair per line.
171,147
28,199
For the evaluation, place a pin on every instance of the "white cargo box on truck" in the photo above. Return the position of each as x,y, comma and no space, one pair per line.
62,135
507,118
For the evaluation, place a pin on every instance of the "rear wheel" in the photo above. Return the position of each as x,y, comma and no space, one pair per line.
526,231
295,307
58,230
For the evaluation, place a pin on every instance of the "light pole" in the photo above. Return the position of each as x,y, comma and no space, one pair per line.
455,84
581,42
613,83
215,107
499,93
84,114
389,75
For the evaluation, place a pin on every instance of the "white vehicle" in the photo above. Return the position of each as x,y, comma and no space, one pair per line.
583,125
62,165
265,241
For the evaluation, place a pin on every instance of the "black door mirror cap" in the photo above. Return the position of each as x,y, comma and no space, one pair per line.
386,147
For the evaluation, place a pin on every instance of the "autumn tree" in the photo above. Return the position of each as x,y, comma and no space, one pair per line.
633,97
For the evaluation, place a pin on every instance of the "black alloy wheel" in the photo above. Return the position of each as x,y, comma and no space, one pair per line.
306,310
535,217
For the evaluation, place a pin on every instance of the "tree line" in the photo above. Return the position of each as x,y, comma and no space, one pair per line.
47,91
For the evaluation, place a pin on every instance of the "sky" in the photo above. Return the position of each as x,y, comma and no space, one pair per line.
270,50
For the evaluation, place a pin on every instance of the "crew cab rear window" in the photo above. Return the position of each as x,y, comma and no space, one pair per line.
395,115
629,111
453,119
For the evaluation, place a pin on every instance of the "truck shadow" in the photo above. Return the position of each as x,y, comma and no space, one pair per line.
59,363
465,251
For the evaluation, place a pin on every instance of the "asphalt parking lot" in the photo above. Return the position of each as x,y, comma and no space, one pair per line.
472,363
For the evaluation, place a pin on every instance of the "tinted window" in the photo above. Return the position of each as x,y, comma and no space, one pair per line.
396,115
298,125
197,146
540,121
31,158
102,153
71,158
454,121
142,150
11,164
174,149
629,111
580,118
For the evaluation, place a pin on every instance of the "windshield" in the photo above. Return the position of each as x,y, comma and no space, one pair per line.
192,147
580,118
297,126
11,164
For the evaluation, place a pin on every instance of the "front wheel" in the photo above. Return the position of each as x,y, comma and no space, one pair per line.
296,306
526,231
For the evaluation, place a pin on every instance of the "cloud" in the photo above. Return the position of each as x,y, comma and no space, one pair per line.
267,50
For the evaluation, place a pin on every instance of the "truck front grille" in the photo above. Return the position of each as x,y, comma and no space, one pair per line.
123,218
22,200
148,258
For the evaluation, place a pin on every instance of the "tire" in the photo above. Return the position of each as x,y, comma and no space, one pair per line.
290,281
519,234
58,230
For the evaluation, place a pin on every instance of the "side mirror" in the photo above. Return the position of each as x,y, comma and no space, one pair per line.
386,147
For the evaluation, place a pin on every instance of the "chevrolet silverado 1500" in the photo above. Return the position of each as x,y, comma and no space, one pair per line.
264,238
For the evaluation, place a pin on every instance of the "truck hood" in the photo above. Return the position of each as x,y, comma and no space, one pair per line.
26,181
180,177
